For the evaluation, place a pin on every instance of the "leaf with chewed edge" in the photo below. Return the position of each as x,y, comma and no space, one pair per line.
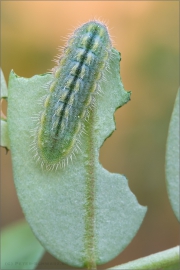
83,214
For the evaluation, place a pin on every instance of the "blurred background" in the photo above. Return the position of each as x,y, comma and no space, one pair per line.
147,35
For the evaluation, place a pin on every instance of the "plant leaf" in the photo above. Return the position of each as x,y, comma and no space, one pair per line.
4,130
4,92
19,248
4,134
82,214
172,159
166,260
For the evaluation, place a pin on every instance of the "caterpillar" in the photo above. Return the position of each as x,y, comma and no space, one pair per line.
71,95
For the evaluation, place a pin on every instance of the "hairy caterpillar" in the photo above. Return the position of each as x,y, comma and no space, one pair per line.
71,95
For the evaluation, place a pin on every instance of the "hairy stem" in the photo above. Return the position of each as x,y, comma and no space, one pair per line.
90,247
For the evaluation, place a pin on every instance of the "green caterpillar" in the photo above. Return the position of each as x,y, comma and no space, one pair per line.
71,95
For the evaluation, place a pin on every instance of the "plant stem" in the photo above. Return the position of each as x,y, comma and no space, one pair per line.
90,244
167,259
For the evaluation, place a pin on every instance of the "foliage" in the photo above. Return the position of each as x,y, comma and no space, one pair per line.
82,214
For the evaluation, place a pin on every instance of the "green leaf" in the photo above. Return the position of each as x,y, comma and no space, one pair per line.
166,260
19,247
4,129
3,92
172,159
82,214
4,134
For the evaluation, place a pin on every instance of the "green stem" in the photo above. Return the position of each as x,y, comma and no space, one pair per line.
90,185
167,259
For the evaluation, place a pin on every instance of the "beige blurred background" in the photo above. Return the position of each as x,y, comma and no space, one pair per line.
147,35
